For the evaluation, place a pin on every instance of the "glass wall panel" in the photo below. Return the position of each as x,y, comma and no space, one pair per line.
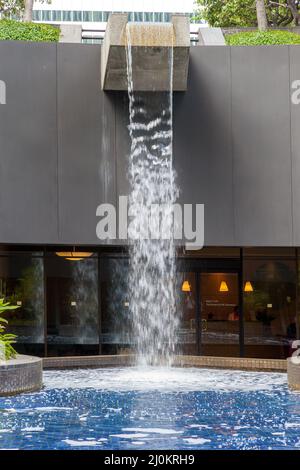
148,16
269,293
77,15
220,315
47,15
22,284
115,320
186,305
87,16
67,15
56,15
37,15
138,16
72,306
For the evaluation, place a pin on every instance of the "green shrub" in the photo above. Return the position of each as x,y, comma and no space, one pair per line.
6,340
17,31
261,38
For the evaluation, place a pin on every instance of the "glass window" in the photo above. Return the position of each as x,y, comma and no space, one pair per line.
22,284
105,15
67,15
269,293
158,17
47,15
72,305
56,15
148,16
37,15
220,315
87,16
77,15
138,16
97,16
186,310
115,321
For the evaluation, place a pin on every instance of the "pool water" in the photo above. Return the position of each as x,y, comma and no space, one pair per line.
170,409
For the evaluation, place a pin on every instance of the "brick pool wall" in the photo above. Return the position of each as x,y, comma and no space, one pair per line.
23,374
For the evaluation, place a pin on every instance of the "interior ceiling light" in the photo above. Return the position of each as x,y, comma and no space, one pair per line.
223,287
186,286
73,255
248,287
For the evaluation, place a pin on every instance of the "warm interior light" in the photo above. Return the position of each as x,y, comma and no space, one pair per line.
223,287
248,287
186,286
73,255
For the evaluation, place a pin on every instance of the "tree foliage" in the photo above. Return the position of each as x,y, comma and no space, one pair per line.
242,13
15,8
10,8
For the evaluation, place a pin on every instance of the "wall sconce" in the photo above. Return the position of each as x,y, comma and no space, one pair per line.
248,287
223,287
186,286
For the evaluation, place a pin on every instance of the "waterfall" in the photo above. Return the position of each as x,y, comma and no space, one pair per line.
152,189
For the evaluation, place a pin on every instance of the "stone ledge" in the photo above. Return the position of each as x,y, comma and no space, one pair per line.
238,363
76,362
293,375
23,374
180,361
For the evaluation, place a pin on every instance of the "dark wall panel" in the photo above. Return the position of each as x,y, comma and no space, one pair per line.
295,134
202,141
65,144
261,145
86,143
28,140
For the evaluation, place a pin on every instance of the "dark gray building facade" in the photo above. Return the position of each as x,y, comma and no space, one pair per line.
64,148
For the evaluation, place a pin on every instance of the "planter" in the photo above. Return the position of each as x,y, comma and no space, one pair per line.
293,370
23,374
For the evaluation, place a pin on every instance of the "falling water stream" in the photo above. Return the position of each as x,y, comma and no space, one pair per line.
152,188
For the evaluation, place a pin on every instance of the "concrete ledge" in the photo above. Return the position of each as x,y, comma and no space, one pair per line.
239,363
293,371
127,360
71,33
23,374
150,55
211,37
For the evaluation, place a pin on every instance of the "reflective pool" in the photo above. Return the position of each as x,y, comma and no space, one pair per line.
153,409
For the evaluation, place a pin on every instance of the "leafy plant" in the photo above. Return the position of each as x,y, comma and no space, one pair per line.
11,30
7,339
260,38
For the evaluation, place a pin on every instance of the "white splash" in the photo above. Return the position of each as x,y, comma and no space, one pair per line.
164,379
151,176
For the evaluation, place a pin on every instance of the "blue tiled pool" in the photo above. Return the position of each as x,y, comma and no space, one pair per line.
153,409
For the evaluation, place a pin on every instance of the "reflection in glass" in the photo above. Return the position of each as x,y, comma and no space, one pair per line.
270,308
72,305
116,326
22,284
186,306
220,314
